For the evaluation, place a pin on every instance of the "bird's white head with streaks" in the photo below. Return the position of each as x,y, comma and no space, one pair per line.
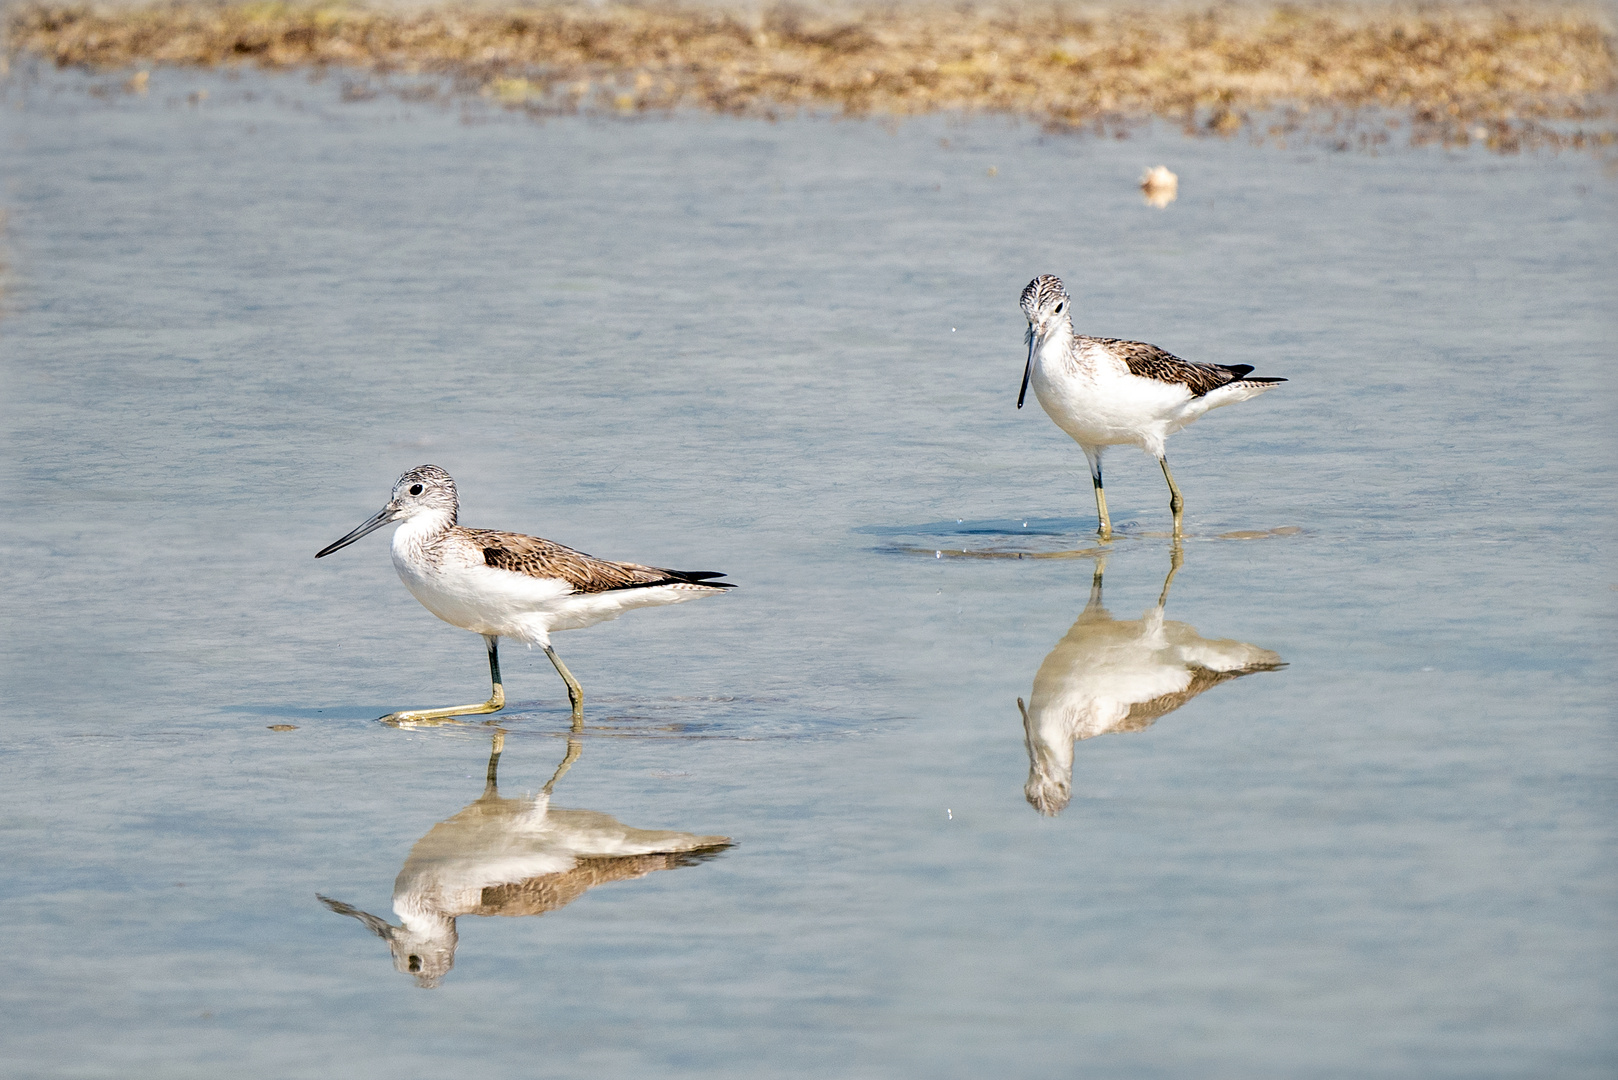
425,490
424,497
1046,305
1048,309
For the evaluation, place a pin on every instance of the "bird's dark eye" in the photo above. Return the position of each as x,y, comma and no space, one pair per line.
1060,307
415,489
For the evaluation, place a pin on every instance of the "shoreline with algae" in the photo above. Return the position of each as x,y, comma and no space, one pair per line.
1512,77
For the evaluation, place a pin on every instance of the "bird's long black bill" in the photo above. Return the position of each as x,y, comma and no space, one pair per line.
383,517
1026,372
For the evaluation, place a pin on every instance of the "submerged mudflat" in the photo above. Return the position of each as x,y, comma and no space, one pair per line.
1504,75
791,351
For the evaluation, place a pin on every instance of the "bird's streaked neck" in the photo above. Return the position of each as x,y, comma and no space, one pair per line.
422,528
1057,333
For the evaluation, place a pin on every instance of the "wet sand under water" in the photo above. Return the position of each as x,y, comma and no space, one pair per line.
1339,802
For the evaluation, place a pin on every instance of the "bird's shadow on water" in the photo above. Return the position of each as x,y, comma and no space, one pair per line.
992,538
621,716
1030,538
733,718
306,712
987,527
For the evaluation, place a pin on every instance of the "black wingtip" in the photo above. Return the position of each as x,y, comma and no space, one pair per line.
678,577
698,577
704,578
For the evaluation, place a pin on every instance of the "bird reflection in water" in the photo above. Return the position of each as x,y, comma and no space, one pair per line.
1108,676
522,856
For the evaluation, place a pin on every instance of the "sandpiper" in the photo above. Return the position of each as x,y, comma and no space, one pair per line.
503,584
1105,392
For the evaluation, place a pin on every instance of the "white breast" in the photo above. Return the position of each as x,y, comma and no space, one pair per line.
1092,396
478,597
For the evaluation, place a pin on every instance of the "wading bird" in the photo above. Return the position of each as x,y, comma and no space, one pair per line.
504,584
1105,392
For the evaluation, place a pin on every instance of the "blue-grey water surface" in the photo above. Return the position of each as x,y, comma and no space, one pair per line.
791,352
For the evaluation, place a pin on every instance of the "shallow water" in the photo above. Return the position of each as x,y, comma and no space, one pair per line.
791,352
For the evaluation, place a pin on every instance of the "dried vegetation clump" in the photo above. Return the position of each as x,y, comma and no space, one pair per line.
1509,75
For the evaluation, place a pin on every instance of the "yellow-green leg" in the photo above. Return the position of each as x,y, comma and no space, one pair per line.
575,693
1094,457
1101,512
496,702
1175,502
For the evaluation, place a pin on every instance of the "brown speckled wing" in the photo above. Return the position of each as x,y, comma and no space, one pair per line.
541,558
1150,362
